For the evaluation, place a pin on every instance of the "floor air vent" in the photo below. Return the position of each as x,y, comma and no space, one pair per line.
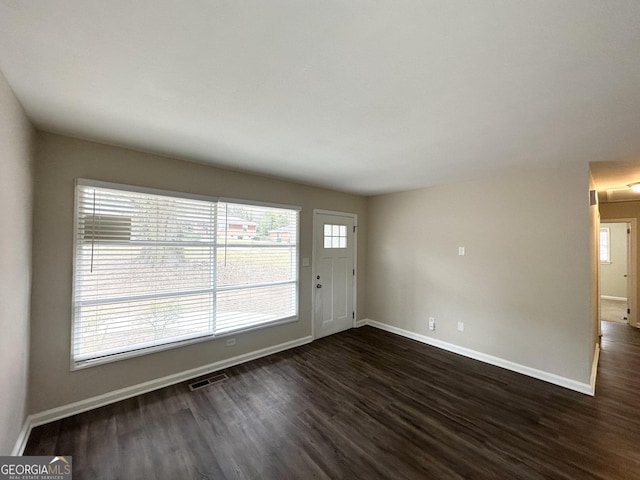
208,381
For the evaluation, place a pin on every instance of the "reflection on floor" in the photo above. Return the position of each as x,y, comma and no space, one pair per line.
613,310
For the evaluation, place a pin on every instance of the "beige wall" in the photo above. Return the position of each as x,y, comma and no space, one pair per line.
612,275
524,288
59,161
16,182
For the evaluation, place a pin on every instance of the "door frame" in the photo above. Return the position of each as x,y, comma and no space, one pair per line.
632,268
354,216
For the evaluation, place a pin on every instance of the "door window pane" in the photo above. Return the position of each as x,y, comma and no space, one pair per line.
335,236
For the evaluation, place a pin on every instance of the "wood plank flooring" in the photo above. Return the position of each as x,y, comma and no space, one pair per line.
366,404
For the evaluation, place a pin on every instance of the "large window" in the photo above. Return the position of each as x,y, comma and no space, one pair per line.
155,268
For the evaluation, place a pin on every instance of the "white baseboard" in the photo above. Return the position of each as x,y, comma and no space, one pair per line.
81,406
490,359
609,297
68,410
21,442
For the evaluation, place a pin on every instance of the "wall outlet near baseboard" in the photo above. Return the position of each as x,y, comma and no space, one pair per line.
432,323
461,326
230,342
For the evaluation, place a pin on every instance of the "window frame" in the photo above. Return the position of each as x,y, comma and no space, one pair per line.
607,231
138,352
333,236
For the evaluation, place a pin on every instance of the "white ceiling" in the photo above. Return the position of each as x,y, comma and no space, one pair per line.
367,97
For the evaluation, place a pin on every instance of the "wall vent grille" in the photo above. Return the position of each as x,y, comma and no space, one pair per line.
197,385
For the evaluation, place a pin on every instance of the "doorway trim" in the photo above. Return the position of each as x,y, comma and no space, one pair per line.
632,267
354,216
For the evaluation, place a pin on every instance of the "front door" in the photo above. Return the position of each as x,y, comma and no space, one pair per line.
333,272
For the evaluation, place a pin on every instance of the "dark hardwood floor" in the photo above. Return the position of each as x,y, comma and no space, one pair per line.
366,404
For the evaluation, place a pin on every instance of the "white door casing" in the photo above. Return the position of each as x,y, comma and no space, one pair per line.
632,269
334,239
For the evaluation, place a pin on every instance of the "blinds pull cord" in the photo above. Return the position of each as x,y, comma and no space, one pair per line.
226,231
93,230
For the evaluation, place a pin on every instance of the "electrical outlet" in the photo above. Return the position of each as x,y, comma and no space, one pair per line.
461,326
462,251
231,342
432,323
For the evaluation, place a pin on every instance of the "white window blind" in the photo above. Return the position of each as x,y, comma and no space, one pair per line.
257,270
153,269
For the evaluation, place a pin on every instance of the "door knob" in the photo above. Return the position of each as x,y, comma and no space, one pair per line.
318,285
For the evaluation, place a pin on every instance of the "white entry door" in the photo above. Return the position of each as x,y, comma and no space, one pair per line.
333,272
